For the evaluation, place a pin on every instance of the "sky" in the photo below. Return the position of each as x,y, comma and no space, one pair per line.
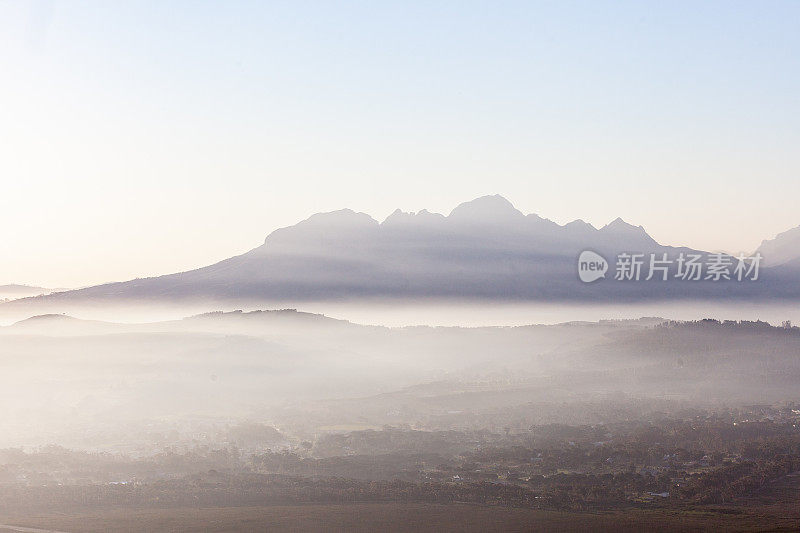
144,138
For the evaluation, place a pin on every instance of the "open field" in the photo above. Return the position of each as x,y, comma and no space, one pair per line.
409,517
774,507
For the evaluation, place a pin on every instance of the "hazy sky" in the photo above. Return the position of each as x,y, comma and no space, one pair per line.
153,137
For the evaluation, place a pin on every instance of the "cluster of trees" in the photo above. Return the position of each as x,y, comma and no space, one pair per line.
732,481
700,458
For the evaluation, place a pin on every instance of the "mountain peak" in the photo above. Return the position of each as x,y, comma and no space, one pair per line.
400,217
341,223
785,247
341,216
618,225
493,208
397,216
580,225
618,228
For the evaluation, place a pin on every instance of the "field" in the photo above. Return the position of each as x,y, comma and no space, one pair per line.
778,512
775,507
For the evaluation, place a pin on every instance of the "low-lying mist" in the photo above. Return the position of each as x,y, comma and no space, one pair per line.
137,387
399,312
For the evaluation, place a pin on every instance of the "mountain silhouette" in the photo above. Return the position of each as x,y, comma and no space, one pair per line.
484,249
783,249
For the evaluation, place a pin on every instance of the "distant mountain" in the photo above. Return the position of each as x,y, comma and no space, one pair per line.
261,322
57,324
13,291
484,249
783,249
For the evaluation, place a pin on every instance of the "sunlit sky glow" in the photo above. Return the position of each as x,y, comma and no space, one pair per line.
153,137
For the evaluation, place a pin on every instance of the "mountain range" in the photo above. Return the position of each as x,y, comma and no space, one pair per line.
14,291
484,249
